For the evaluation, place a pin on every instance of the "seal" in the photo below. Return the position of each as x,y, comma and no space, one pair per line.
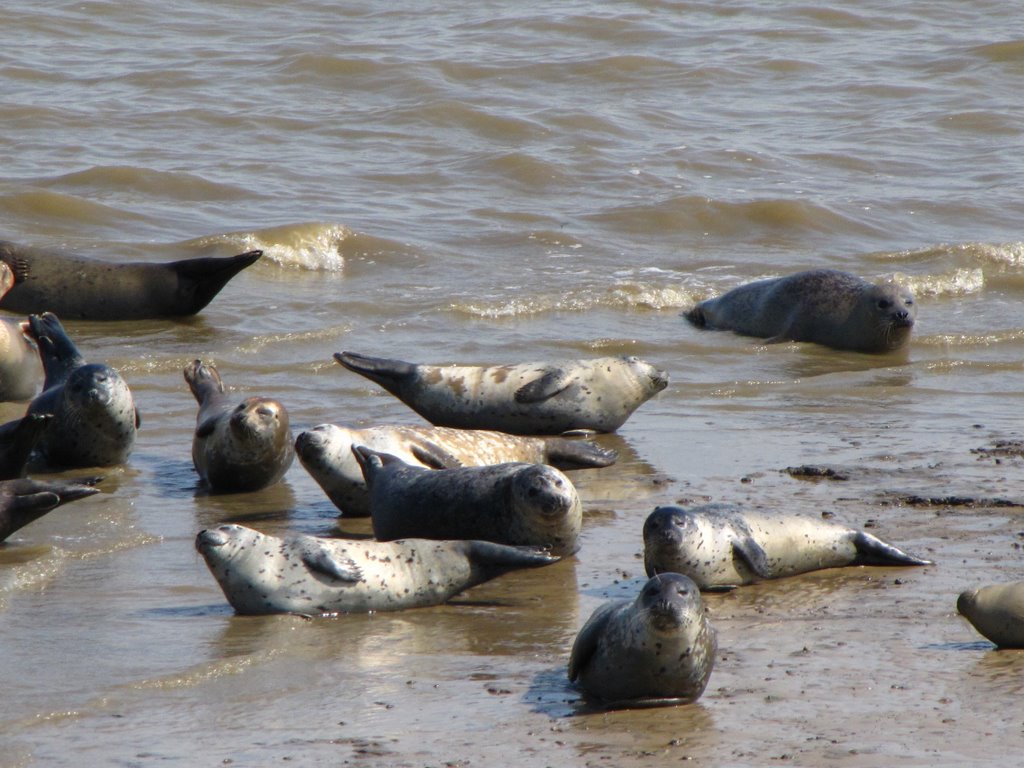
996,611
18,439
525,399
310,575
94,416
326,453
23,500
719,546
92,289
237,446
513,503
20,372
825,306
655,650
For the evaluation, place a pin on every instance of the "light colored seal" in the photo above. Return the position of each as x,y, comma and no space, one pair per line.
829,307
92,289
514,503
525,399
656,650
996,611
720,546
94,416
20,372
326,453
309,575
23,500
237,446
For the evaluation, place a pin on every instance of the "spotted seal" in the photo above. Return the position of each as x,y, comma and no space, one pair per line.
720,546
512,503
237,446
326,453
996,611
310,575
524,399
826,306
656,650
24,500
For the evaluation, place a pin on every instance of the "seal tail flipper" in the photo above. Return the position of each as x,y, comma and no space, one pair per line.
203,278
58,353
371,461
578,454
388,373
696,316
487,554
873,551
203,379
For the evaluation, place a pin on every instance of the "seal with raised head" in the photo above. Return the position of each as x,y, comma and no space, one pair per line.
721,546
94,416
525,399
826,306
996,611
326,453
237,446
310,575
656,650
92,289
513,503
24,500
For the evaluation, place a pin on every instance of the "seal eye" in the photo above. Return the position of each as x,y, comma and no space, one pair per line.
908,301
884,304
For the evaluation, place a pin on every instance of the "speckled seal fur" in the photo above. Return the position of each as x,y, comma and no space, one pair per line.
326,453
525,399
720,546
656,650
309,575
24,500
996,611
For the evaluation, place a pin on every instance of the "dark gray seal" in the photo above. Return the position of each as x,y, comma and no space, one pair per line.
91,289
996,611
309,575
721,546
94,416
828,307
514,503
237,446
326,453
524,399
656,650
17,441
23,500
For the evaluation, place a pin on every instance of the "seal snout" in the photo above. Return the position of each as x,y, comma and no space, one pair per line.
211,538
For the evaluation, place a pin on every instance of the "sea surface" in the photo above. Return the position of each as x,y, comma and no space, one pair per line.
509,182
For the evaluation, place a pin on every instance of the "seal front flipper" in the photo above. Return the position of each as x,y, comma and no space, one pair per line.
752,555
544,387
385,372
585,645
873,551
322,561
578,454
430,454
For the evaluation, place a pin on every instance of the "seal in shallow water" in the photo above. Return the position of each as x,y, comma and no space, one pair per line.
525,399
720,546
829,307
309,575
656,650
996,611
326,453
91,289
25,500
237,446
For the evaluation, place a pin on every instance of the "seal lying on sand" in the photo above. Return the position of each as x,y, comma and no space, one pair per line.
829,307
524,399
514,503
326,453
17,441
656,650
237,446
94,416
309,575
996,611
720,546
24,500
91,289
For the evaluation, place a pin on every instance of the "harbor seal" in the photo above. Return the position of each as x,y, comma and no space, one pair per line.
237,446
92,289
513,503
326,453
720,546
23,500
20,369
17,441
826,306
655,650
309,575
996,611
94,416
525,399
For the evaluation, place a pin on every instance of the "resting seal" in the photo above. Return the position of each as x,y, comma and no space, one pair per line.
720,546
24,500
655,650
326,453
94,416
829,307
525,399
514,503
237,447
996,611
90,289
305,574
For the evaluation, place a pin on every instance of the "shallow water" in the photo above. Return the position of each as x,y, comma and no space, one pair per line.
505,183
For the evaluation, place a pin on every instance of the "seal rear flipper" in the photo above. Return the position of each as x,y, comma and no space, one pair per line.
322,561
873,551
430,454
578,454
18,511
199,280
585,644
544,387
203,379
753,556
58,353
487,553
387,373
697,317
371,461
